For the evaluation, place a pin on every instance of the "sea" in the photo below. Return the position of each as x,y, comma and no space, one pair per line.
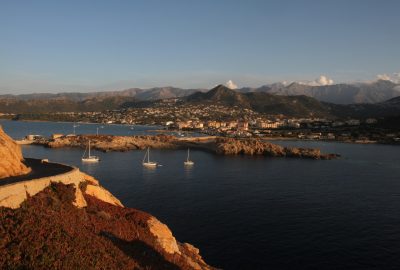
255,212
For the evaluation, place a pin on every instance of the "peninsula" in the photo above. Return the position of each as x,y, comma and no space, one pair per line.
213,144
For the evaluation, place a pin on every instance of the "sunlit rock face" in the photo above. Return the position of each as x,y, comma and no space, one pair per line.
10,157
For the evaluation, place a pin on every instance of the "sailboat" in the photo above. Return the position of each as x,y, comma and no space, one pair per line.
188,162
89,157
148,163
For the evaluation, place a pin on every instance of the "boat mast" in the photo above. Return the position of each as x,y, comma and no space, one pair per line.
144,158
148,154
187,155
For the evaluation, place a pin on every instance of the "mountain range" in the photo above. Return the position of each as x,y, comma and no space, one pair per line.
299,106
373,92
137,93
273,99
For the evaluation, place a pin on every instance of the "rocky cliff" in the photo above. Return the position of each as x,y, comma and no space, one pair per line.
10,157
49,231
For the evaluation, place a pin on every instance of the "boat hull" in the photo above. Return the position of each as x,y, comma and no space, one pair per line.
188,163
91,159
149,164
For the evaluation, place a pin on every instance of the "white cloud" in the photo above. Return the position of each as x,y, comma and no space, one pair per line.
322,80
394,77
230,84
384,77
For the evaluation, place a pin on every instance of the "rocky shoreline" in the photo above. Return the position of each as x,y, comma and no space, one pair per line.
216,145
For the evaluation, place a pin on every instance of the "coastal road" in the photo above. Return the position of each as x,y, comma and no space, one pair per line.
39,170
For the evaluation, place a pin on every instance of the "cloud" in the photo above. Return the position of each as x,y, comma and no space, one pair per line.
230,84
383,77
322,80
394,77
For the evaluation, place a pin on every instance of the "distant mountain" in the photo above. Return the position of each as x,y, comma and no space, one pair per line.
164,93
375,92
301,106
220,94
78,102
155,93
296,99
389,108
14,105
297,106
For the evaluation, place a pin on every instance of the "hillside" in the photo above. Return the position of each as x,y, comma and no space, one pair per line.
14,105
301,106
389,108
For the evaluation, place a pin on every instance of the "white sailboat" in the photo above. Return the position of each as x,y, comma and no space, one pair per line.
89,157
188,162
148,163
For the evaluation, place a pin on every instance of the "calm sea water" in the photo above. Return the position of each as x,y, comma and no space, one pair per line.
19,129
262,213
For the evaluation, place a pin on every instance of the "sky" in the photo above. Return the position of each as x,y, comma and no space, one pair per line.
63,46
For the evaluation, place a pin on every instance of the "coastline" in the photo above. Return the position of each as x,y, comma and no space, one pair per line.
163,131
328,141
213,144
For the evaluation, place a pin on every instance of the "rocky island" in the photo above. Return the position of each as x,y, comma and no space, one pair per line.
53,216
216,145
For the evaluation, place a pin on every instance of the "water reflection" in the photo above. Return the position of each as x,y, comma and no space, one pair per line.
90,168
188,171
149,173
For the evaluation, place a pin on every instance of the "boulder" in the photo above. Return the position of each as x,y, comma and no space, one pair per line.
11,159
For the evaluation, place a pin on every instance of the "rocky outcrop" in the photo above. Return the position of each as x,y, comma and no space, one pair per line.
229,146
102,194
11,160
49,232
13,195
114,143
163,237
101,215
218,145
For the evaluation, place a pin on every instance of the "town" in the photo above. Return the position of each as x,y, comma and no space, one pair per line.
220,120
